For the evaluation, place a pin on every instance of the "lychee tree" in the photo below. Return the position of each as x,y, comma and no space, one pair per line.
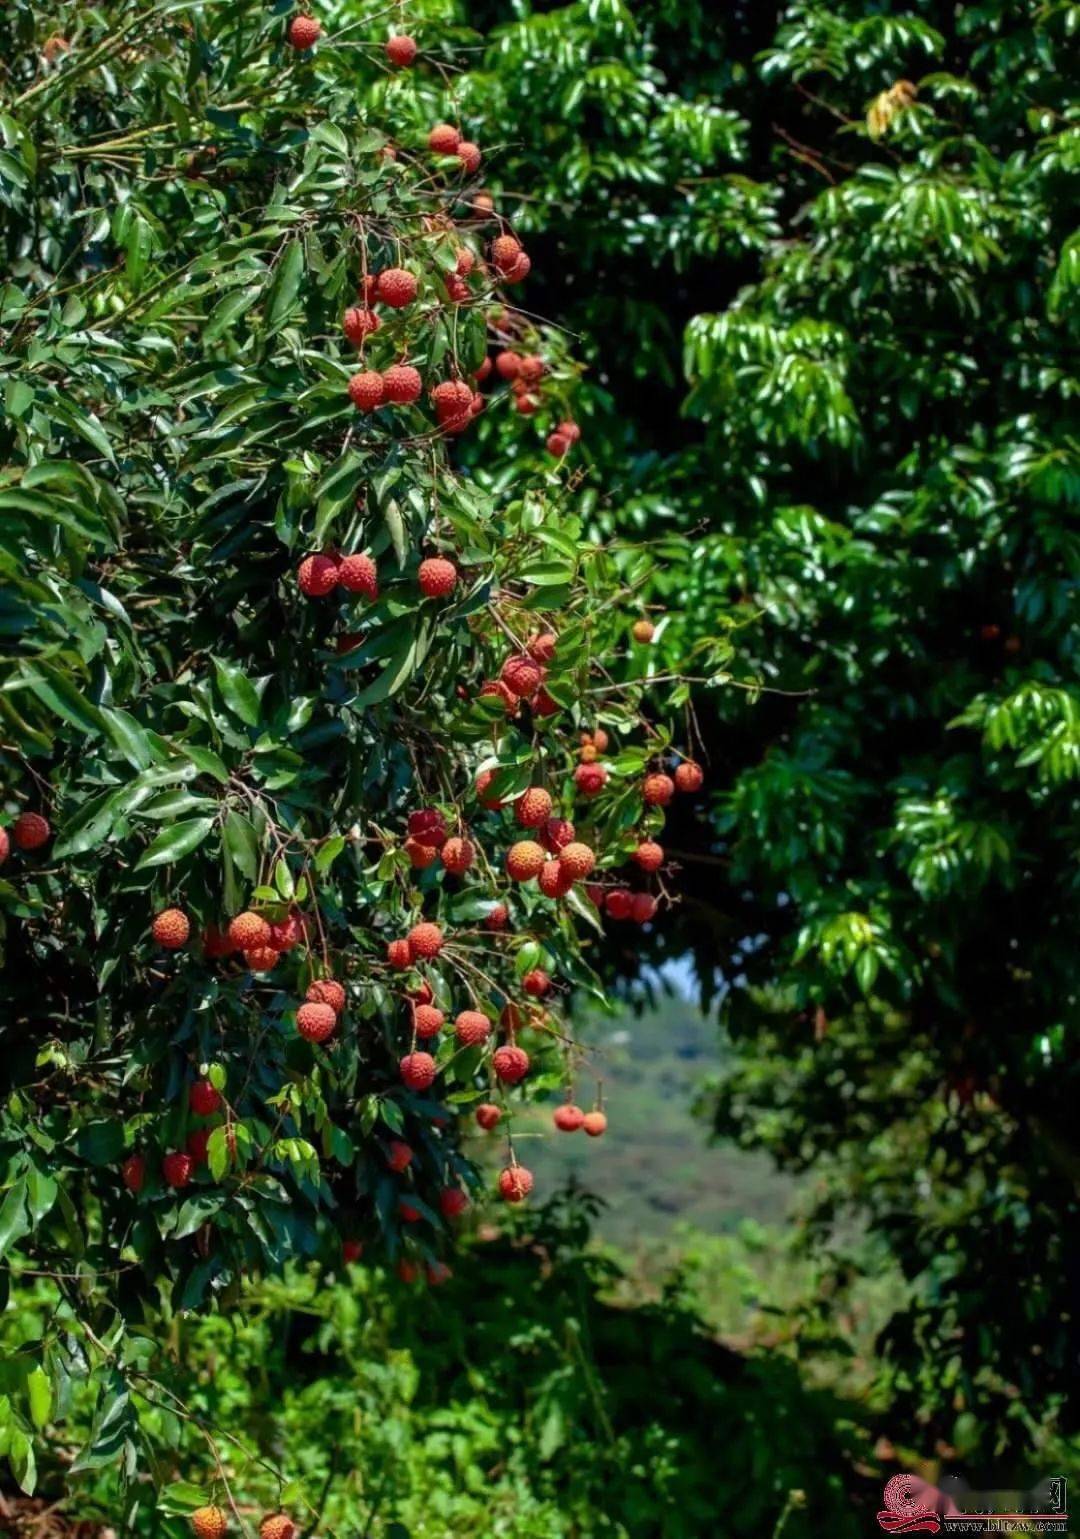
318,760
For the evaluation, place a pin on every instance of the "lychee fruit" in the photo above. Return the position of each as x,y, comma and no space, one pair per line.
521,675
553,881
203,1099
515,1183
421,856
577,860
618,903
261,959
277,1526
452,398
505,252
30,831
171,928
511,1063
407,1271
401,50
428,826
648,855
642,907
409,1214
452,1201
568,1117
351,1251
418,1070
437,577
326,991
569,430
643,630
483,780
689,776
524,860
594,1123
366,390
495,689
396,287
557,445
209,1523
315,1022
518,271
533,807
508,364
471,1028
197,1143
470,156
318,574
248,931
304,31
399,954
657,789
537,983
556,834
533,369
483,371
176,1168
425,940
133,1173
590,779
444,139
287,933
5,845
357,574
458,855
427,1021
358,323
544,704
399,1157
497,917
488,1116
541,648
527,405
402,384
588,753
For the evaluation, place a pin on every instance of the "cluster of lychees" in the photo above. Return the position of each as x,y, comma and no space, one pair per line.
211,1523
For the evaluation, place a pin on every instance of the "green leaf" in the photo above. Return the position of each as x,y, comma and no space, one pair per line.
39,1397
238,692
285,286
174,843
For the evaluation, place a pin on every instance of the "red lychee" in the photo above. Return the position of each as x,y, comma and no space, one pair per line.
203,1099
287,933
428,826
444,139
553,881
171,928
357,574
197,1143
618,903
396,287
594,1123
358,323
642,907
261,959
483,371
303,32
470,156
248,931
532,369
533,807
483,780
657,789
590,779
569,430
521,675
318,574
508,364
505,252
452,398
643,630
421,856
577,860
436,577
544,704
30,831
209,1523
402,384
689,777
471,1028
458,855
176,1168
399,955
515,1183
401,50
568,1117
351,1251
277,1526
495,689
488,1116
133,1173
511,1063
556,834
418,1070
518,271
427,1021
399,1157
557,445
537,983
452,1202
366,390
407,1271
497,917
5,845
425,940
541,648
315,1022
409,1214
648,855
524,860
527,405
326,991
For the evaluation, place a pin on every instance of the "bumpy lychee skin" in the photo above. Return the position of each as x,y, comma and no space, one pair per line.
304,32
590,779
451,398
544,704
357,574
568,1118
578,861
657,789
326,991
203,1099
533,807
133,1173
497,918
171,928
396,287
317,575
553,881
470,156
401,50
452,1202
421,856
594,1123
689,777
649,855
402,384
471,1028
505,252
458,855
437,577
511,1063
495,689
483,780
209,1523
277,1526
358,323
556,834
444,139
533,368
524,860
287,933
399,1157
399,954
30,831
508,364
536,983
261,959
427,1021
418,1071
247,931
618,903
515,1183
521,675
315,1022
366,390
428,826
527,405
642,907
488,1116
643,630
425,941
176,1168
569,430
